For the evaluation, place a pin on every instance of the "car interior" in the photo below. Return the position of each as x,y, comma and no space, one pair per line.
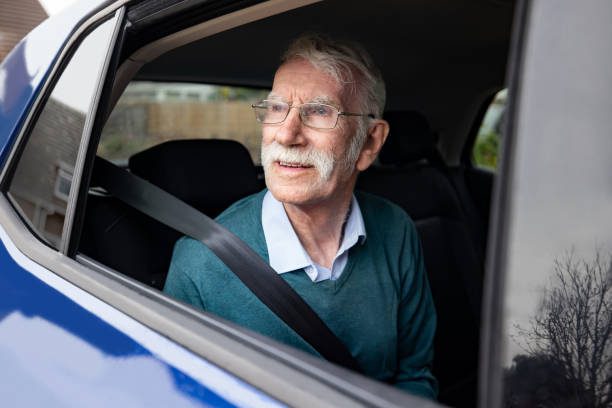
442,61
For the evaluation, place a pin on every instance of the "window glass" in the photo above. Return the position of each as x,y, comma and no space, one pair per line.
486,147
149,113
558,310
558,289
43,177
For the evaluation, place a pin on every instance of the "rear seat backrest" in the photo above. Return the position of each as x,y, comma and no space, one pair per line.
207,174
410,140
411,175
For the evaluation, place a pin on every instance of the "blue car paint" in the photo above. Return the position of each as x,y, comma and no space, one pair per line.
46,313
25,300
26,295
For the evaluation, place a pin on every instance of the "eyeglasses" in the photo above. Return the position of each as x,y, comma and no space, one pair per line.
313,114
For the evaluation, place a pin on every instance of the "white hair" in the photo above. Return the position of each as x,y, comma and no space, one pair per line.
347,63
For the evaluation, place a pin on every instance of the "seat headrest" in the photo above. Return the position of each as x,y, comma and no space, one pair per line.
410,138
208,174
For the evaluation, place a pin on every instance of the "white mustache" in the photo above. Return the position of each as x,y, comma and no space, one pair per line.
322,161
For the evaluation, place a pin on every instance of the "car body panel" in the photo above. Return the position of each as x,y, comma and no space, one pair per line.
64,345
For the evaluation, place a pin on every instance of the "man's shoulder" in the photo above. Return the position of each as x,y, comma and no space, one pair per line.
190,255
235,214
243,218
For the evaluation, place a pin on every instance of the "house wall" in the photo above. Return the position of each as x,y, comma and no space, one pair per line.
17,18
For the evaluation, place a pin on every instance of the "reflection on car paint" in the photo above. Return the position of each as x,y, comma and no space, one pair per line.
52,377
60,341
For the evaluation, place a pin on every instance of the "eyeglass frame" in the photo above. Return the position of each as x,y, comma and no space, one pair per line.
291,106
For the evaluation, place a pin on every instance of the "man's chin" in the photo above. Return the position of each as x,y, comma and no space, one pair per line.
296,194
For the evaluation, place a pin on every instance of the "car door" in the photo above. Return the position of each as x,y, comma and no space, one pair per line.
75,332
548,308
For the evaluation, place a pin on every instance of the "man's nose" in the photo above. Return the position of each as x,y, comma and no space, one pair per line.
289,132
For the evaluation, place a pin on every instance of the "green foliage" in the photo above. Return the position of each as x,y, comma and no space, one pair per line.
486,150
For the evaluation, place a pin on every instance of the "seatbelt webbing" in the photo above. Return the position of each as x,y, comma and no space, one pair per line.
248,266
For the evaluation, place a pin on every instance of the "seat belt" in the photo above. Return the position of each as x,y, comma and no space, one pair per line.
245,263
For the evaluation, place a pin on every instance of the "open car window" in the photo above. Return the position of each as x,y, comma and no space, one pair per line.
174,126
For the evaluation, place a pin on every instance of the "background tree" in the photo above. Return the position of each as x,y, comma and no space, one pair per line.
540,381
573,327
486,150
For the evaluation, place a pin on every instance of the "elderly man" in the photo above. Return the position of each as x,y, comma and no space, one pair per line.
354,258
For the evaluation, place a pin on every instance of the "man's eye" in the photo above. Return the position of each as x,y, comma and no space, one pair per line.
276,107
318,110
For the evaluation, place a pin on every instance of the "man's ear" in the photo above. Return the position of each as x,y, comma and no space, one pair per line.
377,134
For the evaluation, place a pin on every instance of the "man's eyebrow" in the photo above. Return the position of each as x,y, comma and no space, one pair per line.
326,100
274,96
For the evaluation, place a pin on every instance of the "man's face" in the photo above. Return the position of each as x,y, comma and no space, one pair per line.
304,165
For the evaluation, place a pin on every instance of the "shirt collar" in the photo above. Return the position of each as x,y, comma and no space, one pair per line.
285,250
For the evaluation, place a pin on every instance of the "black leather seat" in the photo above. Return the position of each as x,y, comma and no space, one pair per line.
207,174
411,173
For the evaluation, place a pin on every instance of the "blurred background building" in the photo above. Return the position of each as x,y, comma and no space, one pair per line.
17,18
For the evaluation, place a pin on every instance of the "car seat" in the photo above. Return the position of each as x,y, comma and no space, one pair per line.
411,174
208,174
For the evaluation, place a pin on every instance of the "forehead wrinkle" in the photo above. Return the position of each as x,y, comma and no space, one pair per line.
325,99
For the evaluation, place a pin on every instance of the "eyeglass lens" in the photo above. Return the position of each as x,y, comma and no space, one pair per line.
316,115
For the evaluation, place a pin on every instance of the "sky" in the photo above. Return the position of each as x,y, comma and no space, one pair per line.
55,6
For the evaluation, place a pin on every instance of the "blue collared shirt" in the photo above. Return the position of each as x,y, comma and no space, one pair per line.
285,250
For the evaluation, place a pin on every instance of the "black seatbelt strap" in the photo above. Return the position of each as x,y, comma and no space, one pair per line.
248,266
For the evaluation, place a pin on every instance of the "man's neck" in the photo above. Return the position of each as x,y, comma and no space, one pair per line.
319,227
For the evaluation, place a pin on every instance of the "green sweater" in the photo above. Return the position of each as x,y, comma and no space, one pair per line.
380,307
